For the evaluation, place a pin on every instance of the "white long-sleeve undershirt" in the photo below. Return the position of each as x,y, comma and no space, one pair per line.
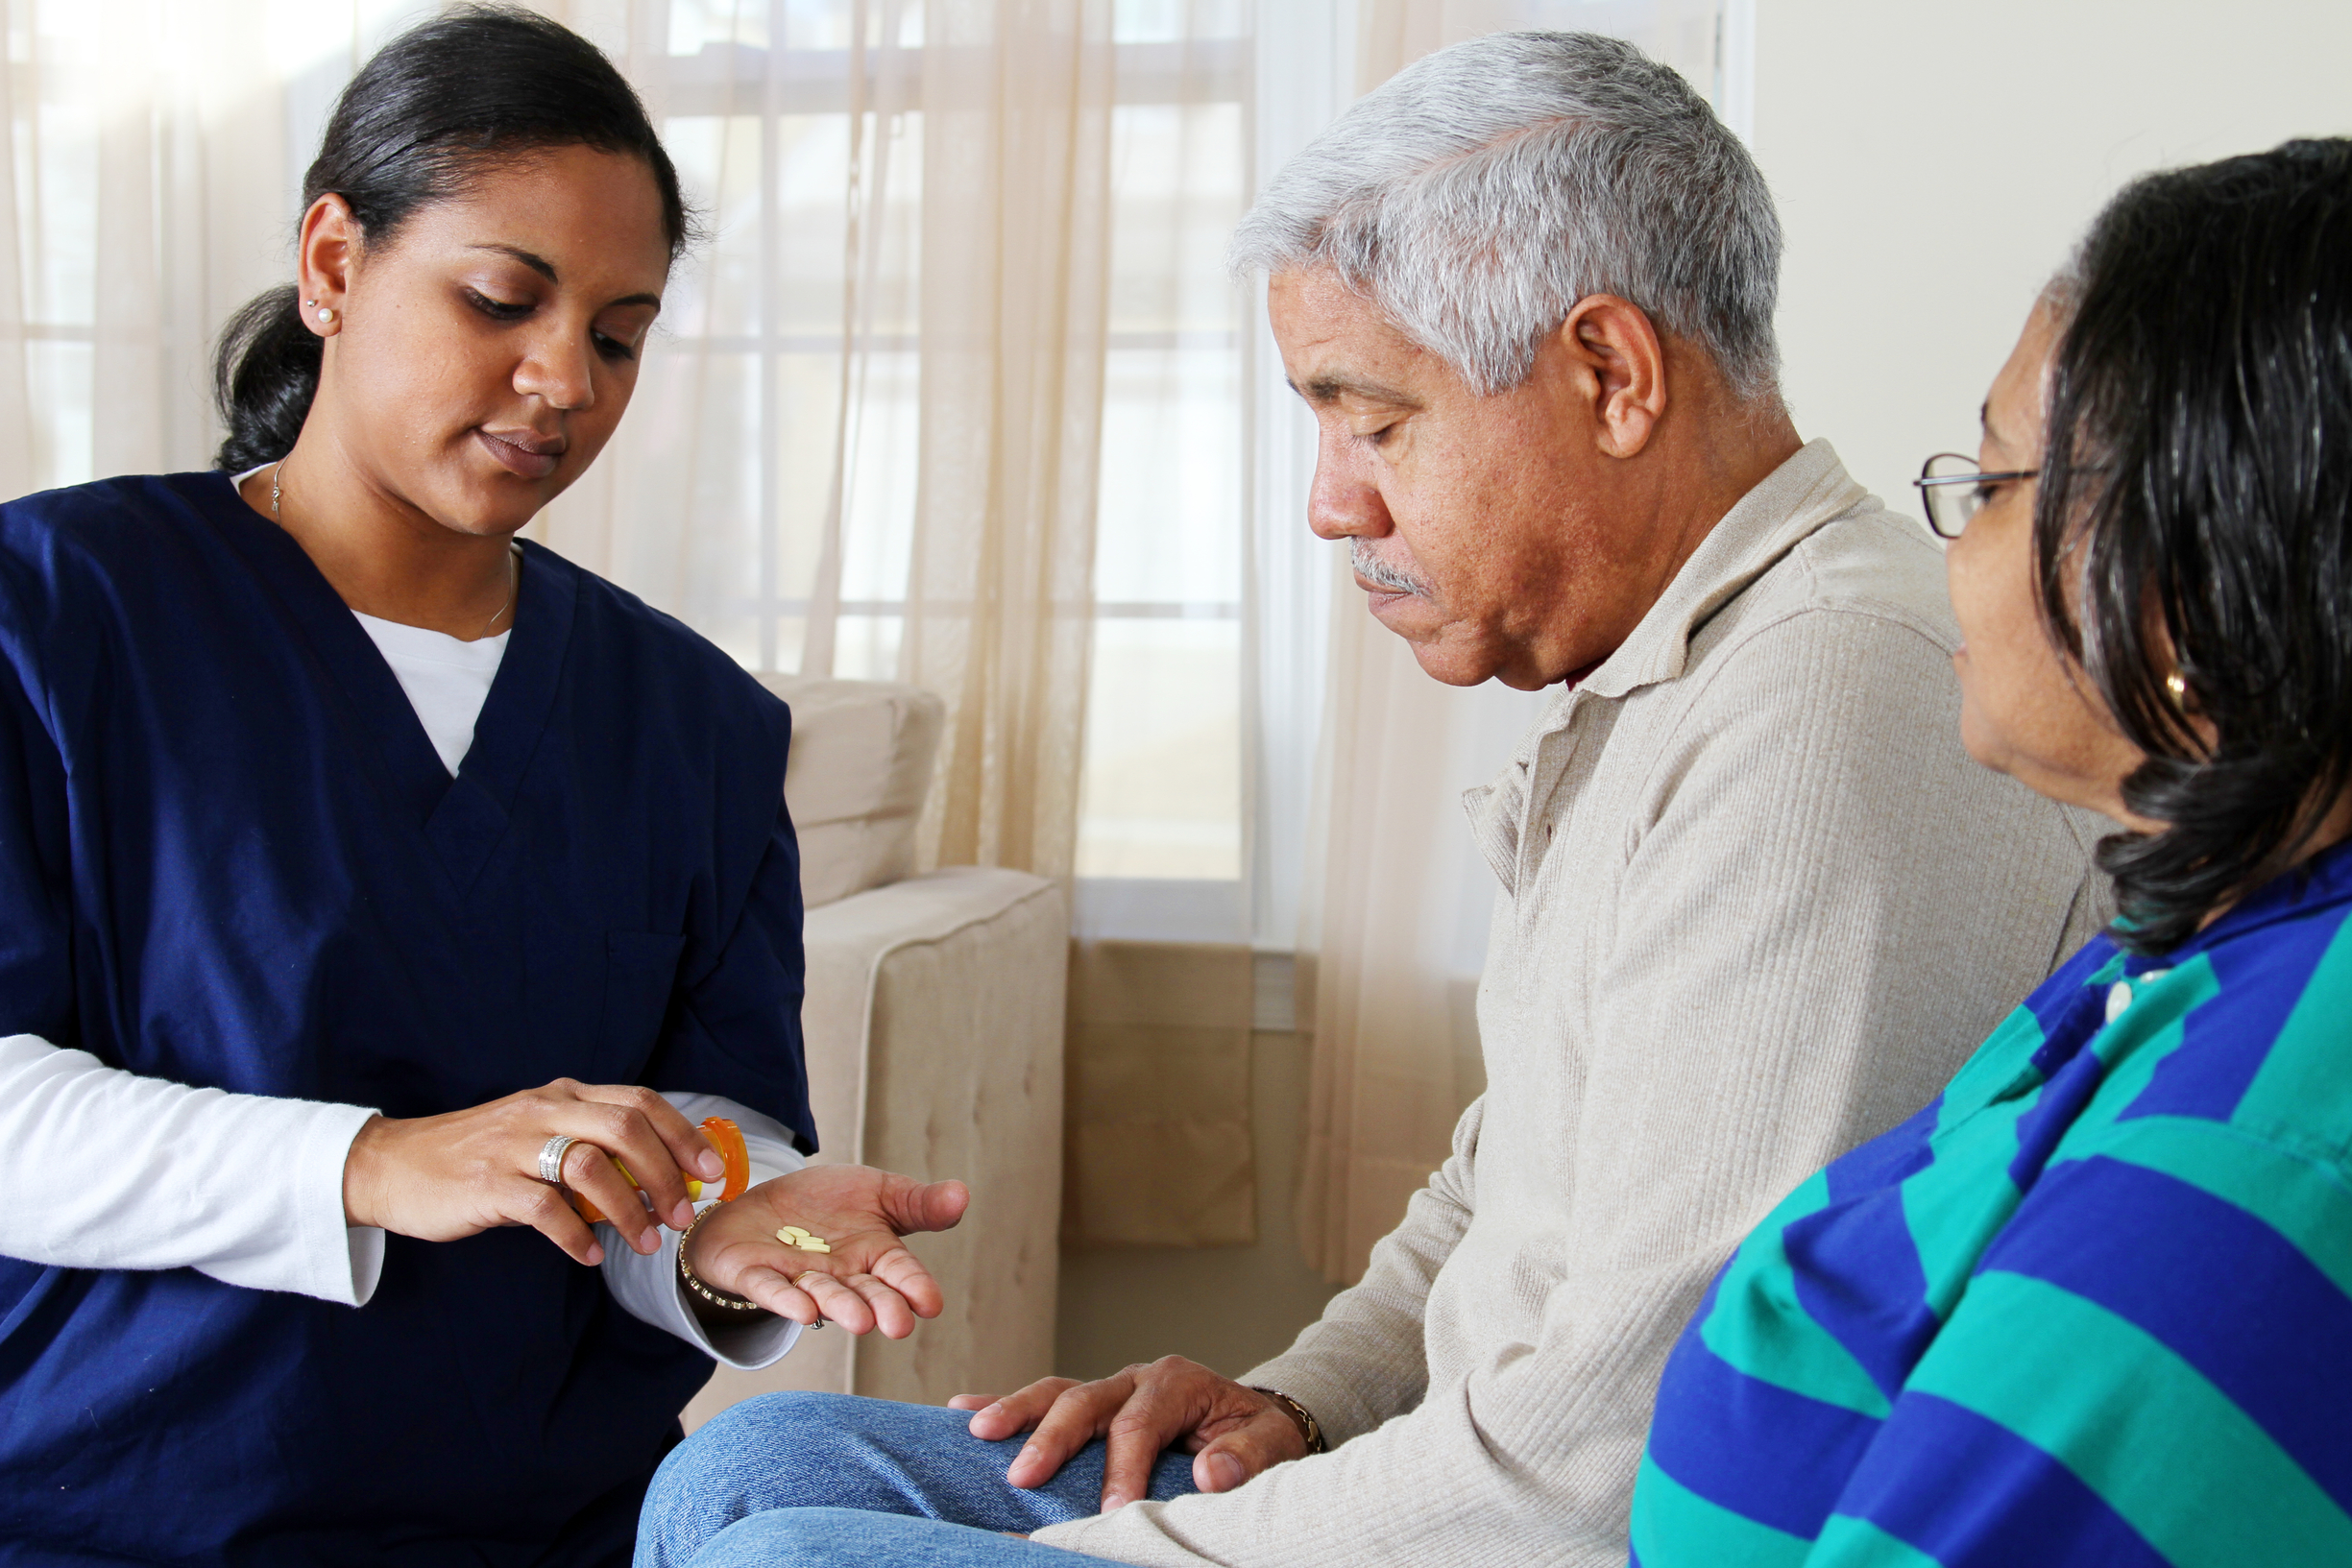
126,1171
116,1171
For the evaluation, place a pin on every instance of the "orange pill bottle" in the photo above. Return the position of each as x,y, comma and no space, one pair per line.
725,1137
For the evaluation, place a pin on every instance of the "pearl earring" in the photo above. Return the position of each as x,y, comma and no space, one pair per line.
327,313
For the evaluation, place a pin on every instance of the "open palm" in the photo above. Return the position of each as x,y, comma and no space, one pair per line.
868,1280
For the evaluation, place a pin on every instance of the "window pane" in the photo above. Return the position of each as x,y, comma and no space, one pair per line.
1161,796
1170,525
58,375
877,525
1175,21
867,649
1163,751
695,23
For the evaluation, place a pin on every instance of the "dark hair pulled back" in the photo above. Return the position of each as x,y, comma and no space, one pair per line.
2196,515
475,85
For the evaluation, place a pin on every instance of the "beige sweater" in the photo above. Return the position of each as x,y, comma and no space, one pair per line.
1757,906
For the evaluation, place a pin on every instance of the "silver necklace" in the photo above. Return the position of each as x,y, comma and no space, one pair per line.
514,556
514,586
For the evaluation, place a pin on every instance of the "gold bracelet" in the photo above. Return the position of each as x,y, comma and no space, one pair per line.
686,1275
1309,1428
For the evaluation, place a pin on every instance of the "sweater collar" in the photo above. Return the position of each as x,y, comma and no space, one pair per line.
1791,502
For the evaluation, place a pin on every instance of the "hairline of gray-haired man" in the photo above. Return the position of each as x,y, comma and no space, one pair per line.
1757,903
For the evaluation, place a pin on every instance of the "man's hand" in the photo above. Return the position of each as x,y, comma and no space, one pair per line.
1232,1431
869,1280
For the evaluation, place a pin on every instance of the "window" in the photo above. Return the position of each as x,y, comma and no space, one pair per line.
755,108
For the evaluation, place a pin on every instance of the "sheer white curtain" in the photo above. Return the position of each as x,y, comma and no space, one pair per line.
946,313
877,426
144,186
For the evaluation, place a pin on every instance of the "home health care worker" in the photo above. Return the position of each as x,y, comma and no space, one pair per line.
367,881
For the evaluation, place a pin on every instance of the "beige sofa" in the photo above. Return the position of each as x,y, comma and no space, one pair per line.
933,1023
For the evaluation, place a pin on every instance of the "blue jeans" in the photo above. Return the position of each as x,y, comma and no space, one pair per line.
797,1479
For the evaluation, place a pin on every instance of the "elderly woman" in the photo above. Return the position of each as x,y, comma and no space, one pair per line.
2094,1305
368,879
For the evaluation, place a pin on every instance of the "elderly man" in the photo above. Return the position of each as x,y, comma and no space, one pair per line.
1756,903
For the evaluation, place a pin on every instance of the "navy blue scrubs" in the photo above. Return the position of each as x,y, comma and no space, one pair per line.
230,856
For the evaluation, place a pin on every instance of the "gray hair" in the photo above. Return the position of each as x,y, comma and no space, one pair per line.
1481,192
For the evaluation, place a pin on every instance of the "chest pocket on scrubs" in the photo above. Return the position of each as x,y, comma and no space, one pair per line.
640,972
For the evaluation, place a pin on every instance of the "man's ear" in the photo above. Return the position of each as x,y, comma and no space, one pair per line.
1612,341
325,257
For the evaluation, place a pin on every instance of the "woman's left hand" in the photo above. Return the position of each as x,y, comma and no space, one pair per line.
867,1281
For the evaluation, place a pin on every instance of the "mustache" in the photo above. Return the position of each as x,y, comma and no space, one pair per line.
1372,569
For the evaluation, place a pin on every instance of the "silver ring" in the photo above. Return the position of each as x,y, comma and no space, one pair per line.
551,1158
795,1282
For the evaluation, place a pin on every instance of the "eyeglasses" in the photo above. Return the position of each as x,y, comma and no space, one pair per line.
1954,490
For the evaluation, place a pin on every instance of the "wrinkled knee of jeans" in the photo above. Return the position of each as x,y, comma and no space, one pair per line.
754,1441
791,1538
729,1467
770,1424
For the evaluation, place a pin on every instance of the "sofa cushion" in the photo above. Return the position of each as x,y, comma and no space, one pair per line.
860,766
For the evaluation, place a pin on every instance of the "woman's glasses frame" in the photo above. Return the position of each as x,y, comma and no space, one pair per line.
1951,491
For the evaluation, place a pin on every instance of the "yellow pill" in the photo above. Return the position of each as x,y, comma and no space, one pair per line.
812,1244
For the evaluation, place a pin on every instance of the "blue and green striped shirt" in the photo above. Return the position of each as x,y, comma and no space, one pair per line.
2092,1306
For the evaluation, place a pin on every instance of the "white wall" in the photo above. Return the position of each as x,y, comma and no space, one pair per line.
1933,164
